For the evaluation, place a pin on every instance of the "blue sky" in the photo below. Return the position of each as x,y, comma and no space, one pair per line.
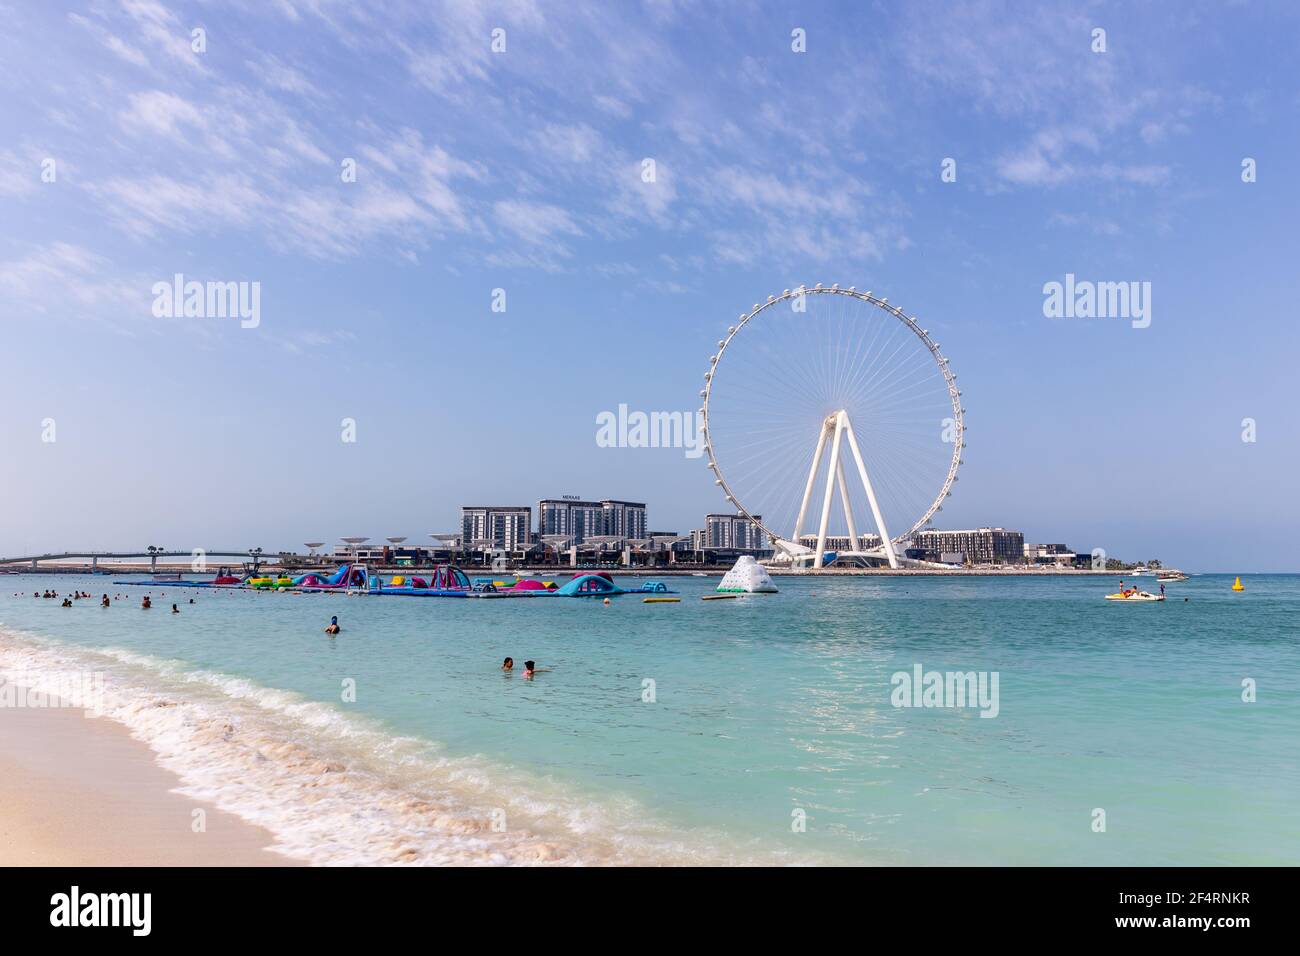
522,170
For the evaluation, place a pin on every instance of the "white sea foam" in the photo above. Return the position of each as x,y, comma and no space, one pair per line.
336,788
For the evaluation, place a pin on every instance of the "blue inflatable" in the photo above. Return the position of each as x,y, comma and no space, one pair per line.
593,585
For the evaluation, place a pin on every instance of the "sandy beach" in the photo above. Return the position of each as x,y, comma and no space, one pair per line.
79,791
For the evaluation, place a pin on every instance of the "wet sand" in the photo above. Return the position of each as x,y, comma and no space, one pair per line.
79,791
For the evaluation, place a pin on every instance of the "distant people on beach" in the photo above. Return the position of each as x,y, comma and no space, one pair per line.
508,664
333,626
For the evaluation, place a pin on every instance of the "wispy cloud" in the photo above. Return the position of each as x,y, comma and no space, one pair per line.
158,112
162,33
154,204
535,222
63,280
1045,161
1038,67
19,175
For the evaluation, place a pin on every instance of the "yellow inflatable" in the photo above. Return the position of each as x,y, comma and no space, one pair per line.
269,582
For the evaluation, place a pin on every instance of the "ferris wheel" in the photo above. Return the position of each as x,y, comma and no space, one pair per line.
820,393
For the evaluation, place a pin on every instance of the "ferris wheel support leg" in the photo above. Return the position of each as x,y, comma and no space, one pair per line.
871,494
819,560
808,488
854,542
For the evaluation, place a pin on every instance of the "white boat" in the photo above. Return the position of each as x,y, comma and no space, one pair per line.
1135,596
1168,577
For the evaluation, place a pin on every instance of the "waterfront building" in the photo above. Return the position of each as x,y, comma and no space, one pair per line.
371,553
570,516
505,526
734,532
672,541
1057,554
976,546
841,542
581,520
396,555
624,518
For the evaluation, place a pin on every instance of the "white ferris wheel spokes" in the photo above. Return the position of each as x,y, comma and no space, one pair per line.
819,375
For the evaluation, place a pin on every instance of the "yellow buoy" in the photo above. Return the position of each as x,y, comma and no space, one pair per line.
1237,585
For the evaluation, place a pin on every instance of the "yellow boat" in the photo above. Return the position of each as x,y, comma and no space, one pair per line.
661,601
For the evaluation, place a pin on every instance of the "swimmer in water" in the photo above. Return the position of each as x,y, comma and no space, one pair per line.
105,602
175,609
531,668
334,626
508,664
146,603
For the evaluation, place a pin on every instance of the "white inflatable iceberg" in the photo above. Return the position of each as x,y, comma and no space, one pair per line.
748,576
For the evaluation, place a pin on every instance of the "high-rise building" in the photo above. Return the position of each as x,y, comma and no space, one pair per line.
734,532
508,527
570,516
581,520
624,518
979,546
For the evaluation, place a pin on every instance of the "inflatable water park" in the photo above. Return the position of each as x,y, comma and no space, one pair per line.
446,581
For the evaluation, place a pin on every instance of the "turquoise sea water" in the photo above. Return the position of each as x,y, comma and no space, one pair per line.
766,710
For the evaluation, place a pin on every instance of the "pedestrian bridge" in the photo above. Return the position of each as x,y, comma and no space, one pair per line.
153,554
